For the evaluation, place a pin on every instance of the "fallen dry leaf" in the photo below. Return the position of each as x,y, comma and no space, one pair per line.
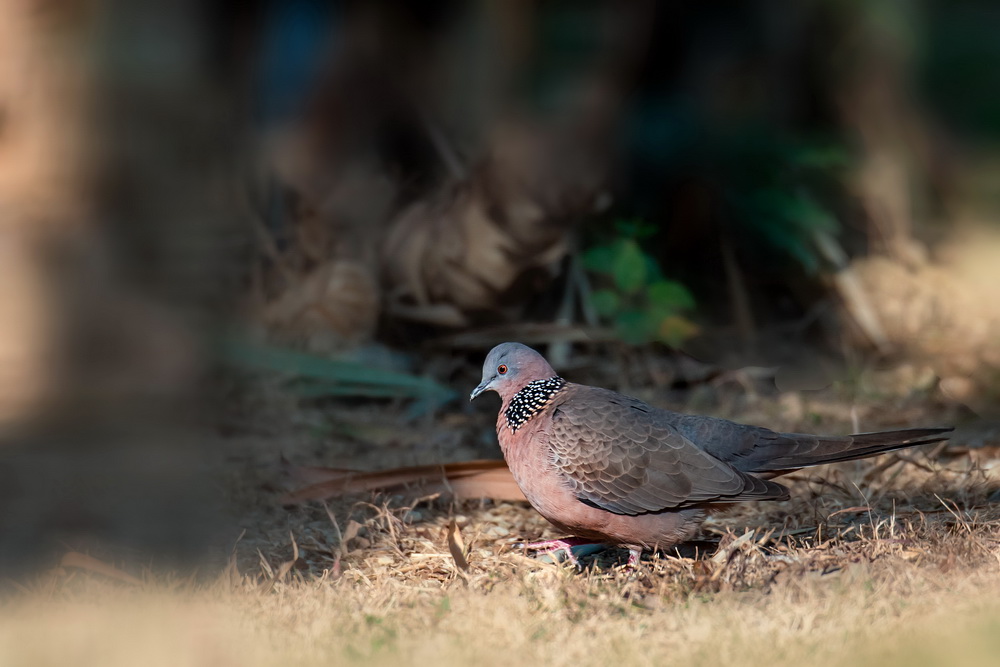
467,480
488,240
457,546
75,559
337,302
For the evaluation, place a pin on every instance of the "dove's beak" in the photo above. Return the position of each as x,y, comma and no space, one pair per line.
483,386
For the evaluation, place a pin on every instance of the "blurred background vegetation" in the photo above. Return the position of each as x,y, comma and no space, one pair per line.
724,179
365,196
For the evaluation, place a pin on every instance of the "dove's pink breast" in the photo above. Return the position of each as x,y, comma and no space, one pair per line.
529,458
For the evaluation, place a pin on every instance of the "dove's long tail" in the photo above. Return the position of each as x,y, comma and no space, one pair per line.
791,451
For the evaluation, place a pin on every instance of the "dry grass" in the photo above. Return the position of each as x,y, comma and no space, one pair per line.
923,593
893,561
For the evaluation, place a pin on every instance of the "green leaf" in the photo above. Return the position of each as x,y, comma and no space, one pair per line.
820,157
606,302
598,259
653,272
675,330
632,326
789,221
669,295
629,266
810,214
315,376
636,228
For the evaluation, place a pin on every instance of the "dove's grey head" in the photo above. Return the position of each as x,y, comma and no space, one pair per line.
510,366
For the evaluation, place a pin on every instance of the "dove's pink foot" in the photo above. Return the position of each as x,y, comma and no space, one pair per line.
552,546
634,556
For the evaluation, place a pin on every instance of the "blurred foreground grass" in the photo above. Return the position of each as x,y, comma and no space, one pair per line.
543,615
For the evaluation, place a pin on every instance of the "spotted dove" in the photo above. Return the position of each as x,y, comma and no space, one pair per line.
608,468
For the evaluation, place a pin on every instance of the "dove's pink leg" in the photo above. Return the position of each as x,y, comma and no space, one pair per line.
634,556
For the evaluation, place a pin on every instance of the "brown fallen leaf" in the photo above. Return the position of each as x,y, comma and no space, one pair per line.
494,236
336,304
467,480
456,545
81,561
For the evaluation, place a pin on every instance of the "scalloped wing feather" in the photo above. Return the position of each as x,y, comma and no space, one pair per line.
621,455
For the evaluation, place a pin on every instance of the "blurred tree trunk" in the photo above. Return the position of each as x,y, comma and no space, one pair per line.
45,85
115,195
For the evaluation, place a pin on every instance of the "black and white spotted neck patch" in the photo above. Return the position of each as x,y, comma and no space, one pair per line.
531,400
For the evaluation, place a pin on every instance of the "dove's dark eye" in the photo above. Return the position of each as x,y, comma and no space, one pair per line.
501,369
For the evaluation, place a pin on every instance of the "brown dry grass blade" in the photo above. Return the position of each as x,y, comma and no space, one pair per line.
456,545
81,561
287,566
467,480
